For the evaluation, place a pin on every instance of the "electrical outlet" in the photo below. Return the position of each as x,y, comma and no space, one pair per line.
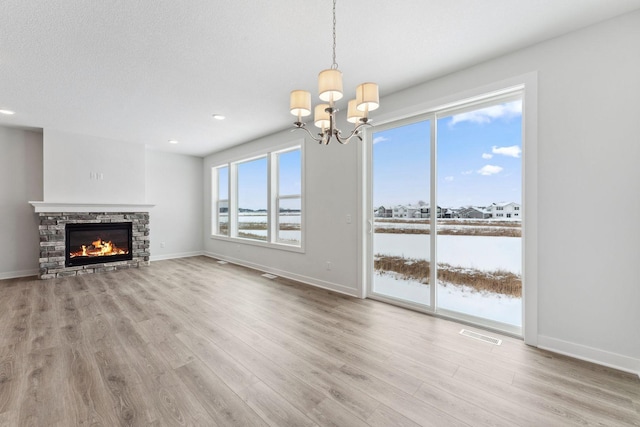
328,265
162,245
348,219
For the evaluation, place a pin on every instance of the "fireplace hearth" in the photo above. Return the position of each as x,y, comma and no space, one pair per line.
75,243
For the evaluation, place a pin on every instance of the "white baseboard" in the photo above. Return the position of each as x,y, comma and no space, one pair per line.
288,275
20,273
590,354
174,256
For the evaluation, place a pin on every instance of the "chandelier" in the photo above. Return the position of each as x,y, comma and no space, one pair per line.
330,91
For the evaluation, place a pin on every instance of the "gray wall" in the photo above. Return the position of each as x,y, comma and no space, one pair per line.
20,181
174,185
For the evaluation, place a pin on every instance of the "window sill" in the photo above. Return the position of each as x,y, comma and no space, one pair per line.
278,246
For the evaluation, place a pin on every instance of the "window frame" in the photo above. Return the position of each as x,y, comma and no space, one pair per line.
235,187
216,201
277,197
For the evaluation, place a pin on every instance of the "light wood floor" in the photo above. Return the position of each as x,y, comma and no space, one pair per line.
194,342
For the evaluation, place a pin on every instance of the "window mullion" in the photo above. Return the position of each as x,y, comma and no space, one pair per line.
233,200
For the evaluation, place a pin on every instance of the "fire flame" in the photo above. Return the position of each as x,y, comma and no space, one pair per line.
98,248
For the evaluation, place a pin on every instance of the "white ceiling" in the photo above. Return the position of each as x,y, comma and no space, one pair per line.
147,71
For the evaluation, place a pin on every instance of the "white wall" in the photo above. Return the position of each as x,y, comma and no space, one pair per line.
587,162
20,181
71,159
175,187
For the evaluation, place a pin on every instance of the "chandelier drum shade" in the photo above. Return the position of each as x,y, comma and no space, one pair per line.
330,90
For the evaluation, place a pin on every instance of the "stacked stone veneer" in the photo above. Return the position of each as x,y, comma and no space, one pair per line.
52,242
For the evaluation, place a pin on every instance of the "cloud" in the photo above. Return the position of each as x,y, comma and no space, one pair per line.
469,172
487,115
512,151
489,170
487,155
379,139
448,178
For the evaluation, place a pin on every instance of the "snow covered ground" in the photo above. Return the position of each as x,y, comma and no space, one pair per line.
462,299
478,252
485,253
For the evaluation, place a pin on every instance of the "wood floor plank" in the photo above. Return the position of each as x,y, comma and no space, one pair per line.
384,416
123,386
226,367
85,397
571,396
521,406
273,408
316,375
40,404
225,407
329,414
9,377
418,411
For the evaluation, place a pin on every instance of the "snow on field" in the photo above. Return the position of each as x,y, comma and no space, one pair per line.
262,218
425,226
462,299
479,252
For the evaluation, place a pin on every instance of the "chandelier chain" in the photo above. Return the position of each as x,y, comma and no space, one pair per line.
335,64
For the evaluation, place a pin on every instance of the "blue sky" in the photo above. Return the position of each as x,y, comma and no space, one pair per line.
479,159
252,180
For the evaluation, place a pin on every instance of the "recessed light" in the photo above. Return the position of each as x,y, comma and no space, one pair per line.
219,117
7,112
173,141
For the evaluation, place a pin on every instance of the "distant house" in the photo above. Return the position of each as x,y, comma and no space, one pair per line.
400,211
383,212
425,211
475,212
447,213
413,211
505,211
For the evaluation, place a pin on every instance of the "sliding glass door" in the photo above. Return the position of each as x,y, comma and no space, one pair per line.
401,155
446,196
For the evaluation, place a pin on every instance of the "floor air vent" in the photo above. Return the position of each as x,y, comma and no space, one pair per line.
269,276
480,337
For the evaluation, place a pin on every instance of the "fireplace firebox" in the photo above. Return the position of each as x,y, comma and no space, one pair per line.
93,243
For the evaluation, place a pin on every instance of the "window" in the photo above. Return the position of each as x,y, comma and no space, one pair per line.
289,197
252,208
220,182
260,199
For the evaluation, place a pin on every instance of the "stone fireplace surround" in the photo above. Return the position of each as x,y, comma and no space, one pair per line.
53,218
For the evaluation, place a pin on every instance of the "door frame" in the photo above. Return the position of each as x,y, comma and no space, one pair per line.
527,83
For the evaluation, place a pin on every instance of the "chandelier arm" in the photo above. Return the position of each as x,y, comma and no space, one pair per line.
354,133
300,125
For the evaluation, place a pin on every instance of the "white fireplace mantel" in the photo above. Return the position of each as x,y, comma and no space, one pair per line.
45,207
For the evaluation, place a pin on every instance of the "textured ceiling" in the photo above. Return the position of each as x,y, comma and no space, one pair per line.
147,71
